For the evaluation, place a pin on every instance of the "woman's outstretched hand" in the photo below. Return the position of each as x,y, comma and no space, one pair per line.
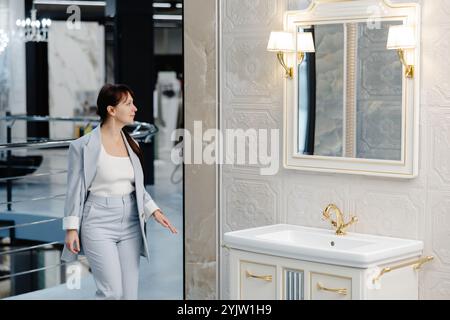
162,219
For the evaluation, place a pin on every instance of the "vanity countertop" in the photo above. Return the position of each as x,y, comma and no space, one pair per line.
323,245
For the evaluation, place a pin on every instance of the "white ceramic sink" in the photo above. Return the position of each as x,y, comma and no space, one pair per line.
322,245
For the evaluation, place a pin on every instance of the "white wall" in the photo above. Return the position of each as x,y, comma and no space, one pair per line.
251,96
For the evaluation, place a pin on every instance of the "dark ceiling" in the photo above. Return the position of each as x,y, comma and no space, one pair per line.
95,10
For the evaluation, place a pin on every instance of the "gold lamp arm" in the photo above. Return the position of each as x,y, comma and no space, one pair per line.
289,71
300,57
409,72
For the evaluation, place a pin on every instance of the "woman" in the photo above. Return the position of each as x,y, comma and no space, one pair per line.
106,204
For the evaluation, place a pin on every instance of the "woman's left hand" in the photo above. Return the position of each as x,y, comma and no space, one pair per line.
162,219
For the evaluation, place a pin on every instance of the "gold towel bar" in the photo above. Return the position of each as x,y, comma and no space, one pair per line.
417,264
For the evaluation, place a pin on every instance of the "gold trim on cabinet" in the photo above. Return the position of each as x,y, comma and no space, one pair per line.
330,275
253,262
342,291
417,264
267,278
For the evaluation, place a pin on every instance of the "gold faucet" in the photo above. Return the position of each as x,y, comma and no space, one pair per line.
339,224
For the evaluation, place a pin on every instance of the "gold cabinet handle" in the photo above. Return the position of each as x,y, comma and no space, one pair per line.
267,278
417,264
342,291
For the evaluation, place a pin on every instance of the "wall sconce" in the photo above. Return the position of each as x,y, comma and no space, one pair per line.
280,42
305,44
401,38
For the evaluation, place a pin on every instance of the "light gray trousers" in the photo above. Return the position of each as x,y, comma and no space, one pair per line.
111,238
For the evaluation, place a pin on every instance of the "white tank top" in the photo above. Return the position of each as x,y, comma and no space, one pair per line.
114,176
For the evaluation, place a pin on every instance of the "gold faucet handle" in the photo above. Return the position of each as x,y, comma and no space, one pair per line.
353,219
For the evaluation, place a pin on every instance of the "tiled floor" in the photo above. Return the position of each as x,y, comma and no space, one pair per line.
162,278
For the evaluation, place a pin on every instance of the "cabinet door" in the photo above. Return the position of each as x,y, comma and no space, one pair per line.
257,281
330,287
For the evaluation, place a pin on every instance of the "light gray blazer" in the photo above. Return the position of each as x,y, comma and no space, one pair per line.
82,165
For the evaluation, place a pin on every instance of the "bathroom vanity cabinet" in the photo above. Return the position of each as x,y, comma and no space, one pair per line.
255,276
293,262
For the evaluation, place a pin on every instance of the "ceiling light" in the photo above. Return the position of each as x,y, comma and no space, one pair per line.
167,17
161,5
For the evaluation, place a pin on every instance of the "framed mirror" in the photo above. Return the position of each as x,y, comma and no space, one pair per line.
351,105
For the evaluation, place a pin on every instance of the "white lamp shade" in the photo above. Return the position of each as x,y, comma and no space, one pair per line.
401,37
305,42
281,41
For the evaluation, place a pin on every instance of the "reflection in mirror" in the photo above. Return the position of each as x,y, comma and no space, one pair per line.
350,93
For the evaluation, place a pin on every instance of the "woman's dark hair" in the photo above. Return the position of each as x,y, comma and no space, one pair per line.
112,95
